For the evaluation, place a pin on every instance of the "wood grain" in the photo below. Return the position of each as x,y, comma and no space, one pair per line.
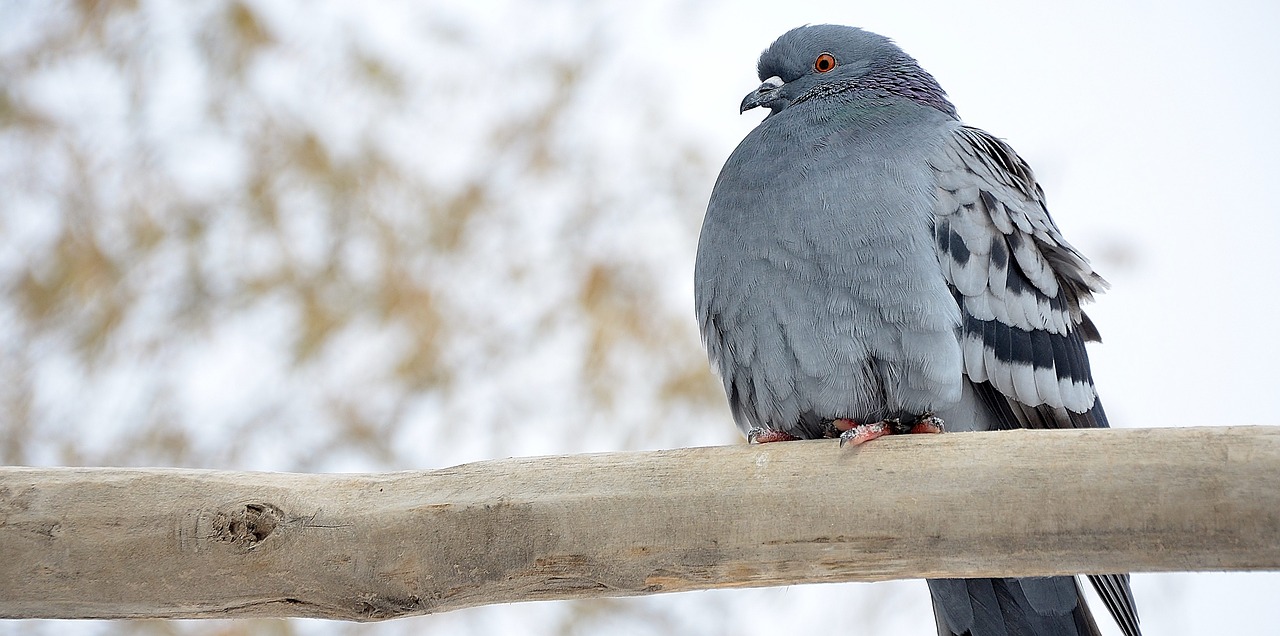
113,543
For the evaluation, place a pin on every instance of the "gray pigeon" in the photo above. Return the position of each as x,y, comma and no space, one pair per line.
871,265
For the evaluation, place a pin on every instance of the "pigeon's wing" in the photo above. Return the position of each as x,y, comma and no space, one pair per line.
1019,286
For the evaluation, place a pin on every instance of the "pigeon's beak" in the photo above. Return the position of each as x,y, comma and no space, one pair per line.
763,95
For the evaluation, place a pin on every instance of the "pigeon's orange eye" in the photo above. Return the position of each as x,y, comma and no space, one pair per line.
824,63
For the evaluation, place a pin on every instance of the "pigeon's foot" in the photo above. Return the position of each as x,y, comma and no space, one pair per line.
928,423
765,435
858,434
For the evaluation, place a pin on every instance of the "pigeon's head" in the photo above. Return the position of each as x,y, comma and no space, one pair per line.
827,59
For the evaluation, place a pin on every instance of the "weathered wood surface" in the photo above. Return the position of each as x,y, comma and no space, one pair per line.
109,542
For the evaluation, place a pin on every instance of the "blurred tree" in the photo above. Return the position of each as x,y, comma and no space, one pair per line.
240,241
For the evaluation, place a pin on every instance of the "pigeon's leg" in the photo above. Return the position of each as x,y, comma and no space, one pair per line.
765,435
857,434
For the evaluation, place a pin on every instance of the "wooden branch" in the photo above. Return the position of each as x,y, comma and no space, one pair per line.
112,543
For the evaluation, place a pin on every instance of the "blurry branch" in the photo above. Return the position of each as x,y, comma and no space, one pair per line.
106,542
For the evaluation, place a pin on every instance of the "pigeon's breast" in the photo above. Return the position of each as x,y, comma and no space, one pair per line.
818,287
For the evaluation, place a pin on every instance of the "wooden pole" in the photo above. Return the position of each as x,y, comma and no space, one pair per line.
117,543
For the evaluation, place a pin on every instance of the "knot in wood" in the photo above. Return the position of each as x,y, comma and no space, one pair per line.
246,525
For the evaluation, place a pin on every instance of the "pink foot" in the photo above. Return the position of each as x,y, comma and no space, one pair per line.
857,434
928,423
764,436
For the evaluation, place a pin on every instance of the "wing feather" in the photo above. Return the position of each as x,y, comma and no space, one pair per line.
1018,282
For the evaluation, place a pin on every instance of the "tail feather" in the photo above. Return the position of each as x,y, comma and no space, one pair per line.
1047,606
1118,597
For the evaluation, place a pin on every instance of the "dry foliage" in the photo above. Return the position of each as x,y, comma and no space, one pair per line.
225,232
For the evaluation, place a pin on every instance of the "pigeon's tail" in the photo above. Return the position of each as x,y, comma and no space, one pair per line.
1043,606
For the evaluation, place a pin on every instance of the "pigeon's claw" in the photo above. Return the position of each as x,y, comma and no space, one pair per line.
766,435
860,434
857,434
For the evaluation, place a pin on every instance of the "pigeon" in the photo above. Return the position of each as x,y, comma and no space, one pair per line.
870,265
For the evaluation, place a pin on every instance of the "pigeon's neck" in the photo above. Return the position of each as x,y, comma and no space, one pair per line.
904,77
